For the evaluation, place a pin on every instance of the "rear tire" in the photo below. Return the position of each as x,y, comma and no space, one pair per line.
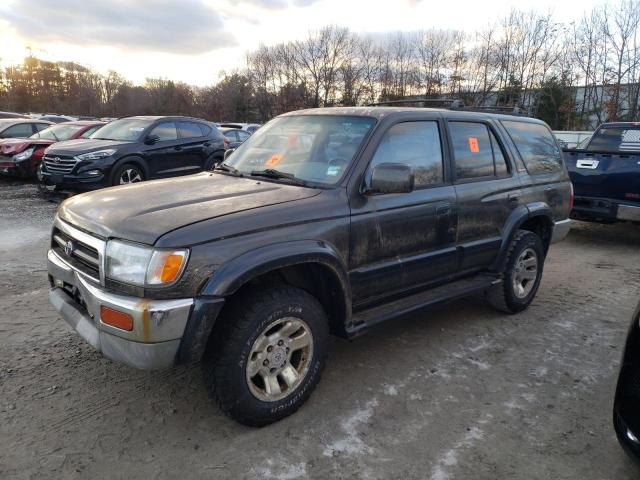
267,354
211,162
522,273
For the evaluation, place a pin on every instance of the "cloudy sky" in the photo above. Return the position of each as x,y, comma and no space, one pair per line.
193,40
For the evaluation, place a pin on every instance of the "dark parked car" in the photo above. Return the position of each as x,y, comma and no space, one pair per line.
606,174
22,156
626,409
134,149
234,136
327,220
21,128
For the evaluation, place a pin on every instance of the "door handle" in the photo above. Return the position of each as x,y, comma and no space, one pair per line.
514,199
177,148
443,210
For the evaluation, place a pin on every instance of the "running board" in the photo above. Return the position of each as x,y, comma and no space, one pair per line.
450,291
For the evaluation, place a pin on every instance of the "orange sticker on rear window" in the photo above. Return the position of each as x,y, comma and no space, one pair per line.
473,145
274,160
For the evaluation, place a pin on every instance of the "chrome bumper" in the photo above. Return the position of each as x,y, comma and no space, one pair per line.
629,213
560,230
158,325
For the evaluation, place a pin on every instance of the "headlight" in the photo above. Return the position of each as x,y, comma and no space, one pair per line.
96,155
140,265
19,157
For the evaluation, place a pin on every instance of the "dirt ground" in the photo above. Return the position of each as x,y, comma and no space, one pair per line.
457,392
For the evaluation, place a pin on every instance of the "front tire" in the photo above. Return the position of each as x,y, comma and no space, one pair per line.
128,173
522,273
267,355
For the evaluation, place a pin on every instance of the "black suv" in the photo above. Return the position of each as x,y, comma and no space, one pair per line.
134,149
325,220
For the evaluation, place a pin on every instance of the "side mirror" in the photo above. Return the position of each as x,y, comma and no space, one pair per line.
391,178
151,139
228,152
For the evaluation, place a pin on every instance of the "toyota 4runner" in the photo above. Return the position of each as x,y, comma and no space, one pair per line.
324,221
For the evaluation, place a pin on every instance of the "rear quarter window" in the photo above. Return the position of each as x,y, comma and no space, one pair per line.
536,146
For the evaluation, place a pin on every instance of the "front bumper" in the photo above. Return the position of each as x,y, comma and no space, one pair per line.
77,182
560,230
158,325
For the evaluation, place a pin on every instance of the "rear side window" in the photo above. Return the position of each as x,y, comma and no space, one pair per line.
476,151
165,131
189,130
416,144
536,146
242,136
615,139
206,129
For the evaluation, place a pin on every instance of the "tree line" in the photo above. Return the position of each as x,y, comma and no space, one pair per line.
570,75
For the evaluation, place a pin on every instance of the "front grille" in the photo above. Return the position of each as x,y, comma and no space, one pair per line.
59,163
80,256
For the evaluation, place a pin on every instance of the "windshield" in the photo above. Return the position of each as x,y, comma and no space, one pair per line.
313,148
124,130
57,133
615,139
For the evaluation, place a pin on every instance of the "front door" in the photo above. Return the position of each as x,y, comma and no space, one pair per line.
404,241
166,157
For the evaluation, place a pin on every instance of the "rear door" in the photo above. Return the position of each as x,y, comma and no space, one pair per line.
486,188
405,241
192,143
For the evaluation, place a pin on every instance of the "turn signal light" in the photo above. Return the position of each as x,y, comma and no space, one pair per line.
117,319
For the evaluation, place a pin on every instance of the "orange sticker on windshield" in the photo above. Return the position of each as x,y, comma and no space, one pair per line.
473,145
274,160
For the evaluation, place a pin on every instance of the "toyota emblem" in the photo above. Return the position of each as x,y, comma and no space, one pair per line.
69,248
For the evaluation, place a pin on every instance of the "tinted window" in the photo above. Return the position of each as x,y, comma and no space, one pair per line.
472,150
206,130
614,139
165,131
242,135
536,146
22,130
416,144
189,130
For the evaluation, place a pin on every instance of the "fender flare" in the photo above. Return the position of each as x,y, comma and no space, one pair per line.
517,217
232,275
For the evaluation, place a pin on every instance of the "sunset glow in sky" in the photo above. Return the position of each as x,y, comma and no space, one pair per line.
194,40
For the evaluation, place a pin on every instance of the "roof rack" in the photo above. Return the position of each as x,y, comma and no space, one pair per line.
452,105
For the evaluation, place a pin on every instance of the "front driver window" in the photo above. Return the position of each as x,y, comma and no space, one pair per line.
416,144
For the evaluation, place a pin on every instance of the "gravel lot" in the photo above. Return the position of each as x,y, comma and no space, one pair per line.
458,392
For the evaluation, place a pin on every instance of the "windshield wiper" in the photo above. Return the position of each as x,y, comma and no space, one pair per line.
228,168
99,138
273,173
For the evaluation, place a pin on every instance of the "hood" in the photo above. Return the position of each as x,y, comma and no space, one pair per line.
82,145
145,211
11,146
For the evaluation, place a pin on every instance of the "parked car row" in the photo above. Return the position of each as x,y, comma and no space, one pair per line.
89,154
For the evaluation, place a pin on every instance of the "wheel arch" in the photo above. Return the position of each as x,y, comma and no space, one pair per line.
314,266
134,159
536,218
